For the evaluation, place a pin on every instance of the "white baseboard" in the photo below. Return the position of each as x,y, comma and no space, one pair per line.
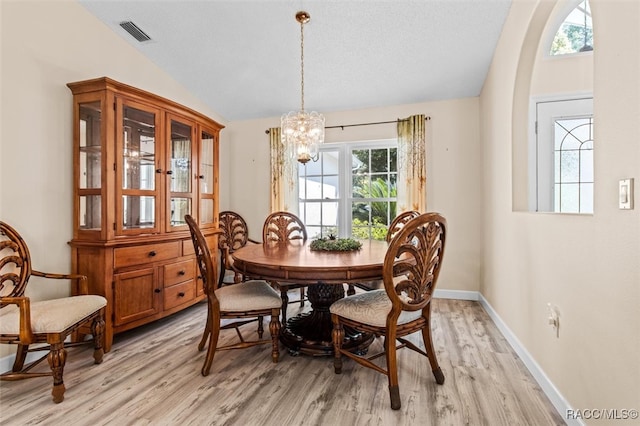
556,398
456,294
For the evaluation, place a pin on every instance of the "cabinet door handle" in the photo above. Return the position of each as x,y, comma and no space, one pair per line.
169,172
158,170
182,272
157,290
152,253
201,177
181,294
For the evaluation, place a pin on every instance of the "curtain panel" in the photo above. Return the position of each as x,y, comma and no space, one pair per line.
284,175
412,164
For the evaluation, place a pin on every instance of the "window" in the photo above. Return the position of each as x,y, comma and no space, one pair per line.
575,33
350,191
565,177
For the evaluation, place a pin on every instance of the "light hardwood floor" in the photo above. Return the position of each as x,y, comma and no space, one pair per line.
152,377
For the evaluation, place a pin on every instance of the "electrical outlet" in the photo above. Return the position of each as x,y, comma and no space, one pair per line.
554,318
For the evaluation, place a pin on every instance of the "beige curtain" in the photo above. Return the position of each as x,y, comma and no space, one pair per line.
412,165
284,175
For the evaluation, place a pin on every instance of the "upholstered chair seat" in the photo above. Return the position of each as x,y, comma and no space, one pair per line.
249,295
54,316
371,308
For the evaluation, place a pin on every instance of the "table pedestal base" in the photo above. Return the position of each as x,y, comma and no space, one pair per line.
309,333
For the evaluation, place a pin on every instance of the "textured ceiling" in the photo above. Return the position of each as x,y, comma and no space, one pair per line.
242,58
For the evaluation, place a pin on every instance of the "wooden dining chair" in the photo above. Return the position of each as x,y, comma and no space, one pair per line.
410,273
396,225
248,301
235,235
281,227
45,323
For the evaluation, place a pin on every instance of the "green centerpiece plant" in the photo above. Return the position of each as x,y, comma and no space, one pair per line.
335,244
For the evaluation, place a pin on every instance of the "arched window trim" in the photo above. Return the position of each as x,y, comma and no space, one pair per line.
559,15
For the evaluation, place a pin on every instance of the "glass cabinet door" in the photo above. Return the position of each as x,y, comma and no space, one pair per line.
137,178
180,172
90,166
206,178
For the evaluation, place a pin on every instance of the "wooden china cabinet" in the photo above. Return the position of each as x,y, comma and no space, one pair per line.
141,163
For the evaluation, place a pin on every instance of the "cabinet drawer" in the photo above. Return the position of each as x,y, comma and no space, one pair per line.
175,273
128,256
179,294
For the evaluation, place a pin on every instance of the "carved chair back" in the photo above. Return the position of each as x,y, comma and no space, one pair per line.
15,263
399,221
283,226
413,261
235,233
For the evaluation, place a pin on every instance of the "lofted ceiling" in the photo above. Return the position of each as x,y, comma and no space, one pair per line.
242,58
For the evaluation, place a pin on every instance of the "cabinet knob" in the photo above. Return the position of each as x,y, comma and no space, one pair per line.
157,290
201,177
181,294
152,253
169,172
158,170
182,272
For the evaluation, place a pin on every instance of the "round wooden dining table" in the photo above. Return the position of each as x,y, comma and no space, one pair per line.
293,262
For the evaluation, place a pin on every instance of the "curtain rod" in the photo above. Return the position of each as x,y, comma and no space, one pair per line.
342,126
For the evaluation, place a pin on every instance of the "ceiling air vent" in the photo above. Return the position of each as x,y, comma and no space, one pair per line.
135,31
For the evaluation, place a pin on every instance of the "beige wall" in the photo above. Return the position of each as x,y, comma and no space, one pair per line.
46,45
453,176
586,265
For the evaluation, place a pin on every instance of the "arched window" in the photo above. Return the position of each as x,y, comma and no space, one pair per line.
575,34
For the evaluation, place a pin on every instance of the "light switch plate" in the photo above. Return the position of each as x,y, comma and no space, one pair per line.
626,194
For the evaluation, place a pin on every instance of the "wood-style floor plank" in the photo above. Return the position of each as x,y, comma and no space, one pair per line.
152,377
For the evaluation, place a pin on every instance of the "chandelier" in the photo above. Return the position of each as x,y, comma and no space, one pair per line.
302,132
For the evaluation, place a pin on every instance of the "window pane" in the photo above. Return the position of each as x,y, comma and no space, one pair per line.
379,160
575,33
330,187
569,198
361,160
360,185
393,159
330,214
586,166
586,198
569,162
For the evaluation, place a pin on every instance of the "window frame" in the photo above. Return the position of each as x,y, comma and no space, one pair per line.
345,194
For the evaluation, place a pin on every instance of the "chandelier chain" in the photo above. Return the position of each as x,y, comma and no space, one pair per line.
302,66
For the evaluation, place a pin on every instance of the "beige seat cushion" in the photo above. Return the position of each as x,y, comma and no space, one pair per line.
52,316
370,308
248,296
